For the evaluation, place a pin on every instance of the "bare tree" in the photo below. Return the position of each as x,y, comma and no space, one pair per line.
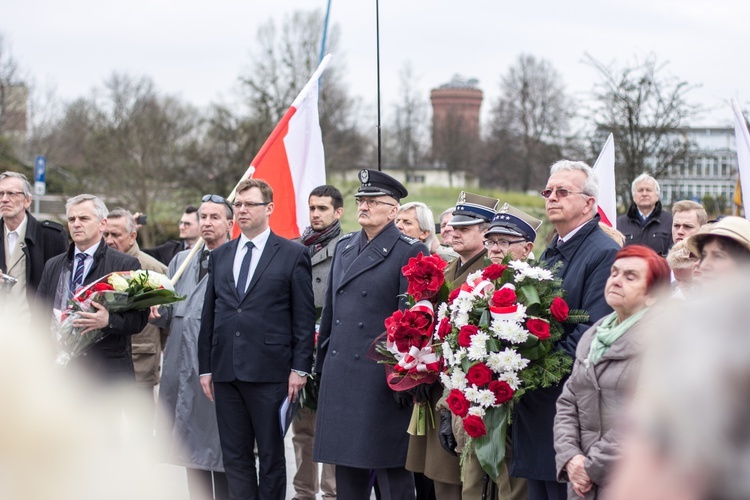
529,123
406,136
285,59
643,107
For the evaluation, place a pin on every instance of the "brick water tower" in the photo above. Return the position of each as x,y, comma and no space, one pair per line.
455,106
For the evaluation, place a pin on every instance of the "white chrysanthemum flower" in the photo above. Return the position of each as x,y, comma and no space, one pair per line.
486,398
510,331
460,354
472,393
458,379
474,278
477,410
512,379
442,311
518,264
510,360
521,313
445,379
480,338
545,274
460,319
119,283
493,363
519,277
476,352
448,353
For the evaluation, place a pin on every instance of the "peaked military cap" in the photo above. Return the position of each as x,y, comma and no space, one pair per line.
514,222
376,183
473,209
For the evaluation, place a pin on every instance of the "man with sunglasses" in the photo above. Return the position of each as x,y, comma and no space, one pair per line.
586,253
186,426
255,346
362,423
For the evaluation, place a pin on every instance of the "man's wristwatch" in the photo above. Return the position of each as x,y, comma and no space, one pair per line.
300,373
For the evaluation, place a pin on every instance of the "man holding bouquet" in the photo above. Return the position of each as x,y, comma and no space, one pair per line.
88,259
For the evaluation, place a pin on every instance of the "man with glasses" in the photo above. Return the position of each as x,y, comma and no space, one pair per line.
586,253
512,231
189,233
27,243
362,423
255,346
186,425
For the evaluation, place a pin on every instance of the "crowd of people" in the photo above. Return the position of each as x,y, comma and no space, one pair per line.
266,319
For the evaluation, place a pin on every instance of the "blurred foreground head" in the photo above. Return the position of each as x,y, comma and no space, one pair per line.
60,438
690,437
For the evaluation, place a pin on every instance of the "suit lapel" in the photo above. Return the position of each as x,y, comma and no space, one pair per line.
228,262
272,246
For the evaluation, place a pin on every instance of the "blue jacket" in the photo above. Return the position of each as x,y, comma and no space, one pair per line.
587,258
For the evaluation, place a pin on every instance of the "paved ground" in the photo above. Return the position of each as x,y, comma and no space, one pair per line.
176,475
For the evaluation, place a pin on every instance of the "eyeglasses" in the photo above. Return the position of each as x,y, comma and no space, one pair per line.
11,194
371,203
503,244
215,198
561,192
249,204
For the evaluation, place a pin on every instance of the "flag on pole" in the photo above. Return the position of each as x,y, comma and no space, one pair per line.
605,172
292,161
742,137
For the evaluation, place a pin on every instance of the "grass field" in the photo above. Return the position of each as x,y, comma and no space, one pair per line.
438,199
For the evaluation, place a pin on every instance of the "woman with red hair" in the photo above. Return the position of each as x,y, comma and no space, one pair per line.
586,437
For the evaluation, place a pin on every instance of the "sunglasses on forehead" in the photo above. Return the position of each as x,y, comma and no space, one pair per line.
215,198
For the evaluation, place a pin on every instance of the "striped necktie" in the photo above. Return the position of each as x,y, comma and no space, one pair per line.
78,275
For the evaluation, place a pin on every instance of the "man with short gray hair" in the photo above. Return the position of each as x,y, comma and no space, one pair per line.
27,243
646,223
87,260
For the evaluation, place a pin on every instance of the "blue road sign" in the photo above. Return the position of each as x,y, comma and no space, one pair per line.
40,168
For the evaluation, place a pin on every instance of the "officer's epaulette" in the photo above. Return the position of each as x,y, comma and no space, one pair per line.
348,235
52,225
409,239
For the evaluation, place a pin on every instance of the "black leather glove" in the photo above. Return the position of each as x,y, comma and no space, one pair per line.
402,398
422,393
445,432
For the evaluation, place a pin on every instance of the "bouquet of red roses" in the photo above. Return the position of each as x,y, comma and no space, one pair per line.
406,347
118,292
495,336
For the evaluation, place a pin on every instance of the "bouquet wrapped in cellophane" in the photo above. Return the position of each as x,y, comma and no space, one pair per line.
118,292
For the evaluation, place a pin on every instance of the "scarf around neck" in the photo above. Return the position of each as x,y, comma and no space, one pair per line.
317,240
609,331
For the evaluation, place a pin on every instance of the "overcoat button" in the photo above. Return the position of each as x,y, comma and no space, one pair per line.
338,322
364,293
361,325
237,334
317,280
239,310
333,353
356,356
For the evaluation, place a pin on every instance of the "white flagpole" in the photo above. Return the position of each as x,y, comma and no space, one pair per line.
742,137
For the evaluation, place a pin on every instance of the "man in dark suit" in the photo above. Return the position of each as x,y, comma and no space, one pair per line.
586,253
88,259
256,342
27,243
362,423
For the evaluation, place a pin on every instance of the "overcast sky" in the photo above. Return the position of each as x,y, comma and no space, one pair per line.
197,48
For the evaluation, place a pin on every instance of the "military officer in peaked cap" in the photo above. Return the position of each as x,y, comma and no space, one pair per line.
470,220
511,231
361,422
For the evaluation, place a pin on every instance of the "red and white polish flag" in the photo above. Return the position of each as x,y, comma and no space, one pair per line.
292,161
605,172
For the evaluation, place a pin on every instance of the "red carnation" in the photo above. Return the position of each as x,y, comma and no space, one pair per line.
559,309
102,287
444,328
474,426
457,403
505,297
538,327
493,271
465,334
424,275
408,328
503,392
479,375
